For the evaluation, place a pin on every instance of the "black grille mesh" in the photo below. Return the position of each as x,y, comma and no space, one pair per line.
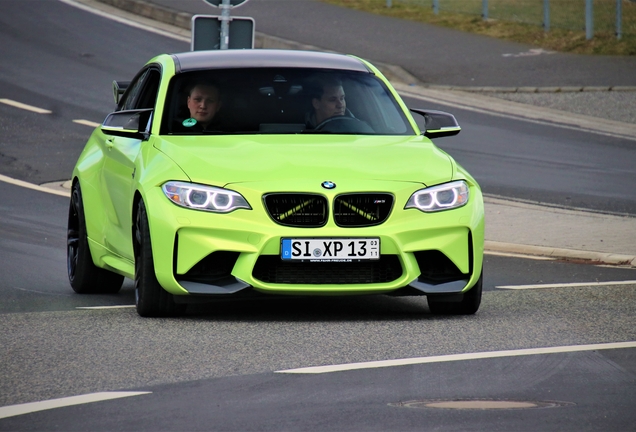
357,210
272,269
302,210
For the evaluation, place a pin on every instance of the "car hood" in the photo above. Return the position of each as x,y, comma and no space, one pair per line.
223,160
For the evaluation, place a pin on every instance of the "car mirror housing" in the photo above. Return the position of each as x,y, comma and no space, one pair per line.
128,124
438,123
119,88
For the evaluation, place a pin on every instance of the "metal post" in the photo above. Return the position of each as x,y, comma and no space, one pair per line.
436,7
589,19
225,24
484,9
619,19
546,15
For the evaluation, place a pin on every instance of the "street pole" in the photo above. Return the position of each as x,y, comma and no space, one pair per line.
225,24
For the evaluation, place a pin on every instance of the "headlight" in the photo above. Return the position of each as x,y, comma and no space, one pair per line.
441,197
200,197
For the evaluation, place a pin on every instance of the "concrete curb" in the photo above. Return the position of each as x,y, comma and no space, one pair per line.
485,103
589,257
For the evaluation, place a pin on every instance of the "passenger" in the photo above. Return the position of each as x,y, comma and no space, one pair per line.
328,101
204,102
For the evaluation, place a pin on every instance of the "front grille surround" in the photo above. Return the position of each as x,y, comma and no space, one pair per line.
297,209
353,210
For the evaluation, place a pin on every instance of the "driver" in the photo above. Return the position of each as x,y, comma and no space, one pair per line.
327,103
204,102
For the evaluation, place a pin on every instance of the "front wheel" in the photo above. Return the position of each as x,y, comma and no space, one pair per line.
85,277
467,306
151,299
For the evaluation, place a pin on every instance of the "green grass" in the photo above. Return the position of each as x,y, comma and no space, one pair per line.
521,21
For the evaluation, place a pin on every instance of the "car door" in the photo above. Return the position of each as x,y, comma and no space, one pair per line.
118,170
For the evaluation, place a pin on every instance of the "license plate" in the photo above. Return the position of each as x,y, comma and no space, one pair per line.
330,249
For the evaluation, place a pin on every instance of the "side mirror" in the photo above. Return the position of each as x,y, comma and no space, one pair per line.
438,123
119,88
128,124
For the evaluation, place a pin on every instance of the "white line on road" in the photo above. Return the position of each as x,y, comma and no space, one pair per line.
457,357
28,185
87,123
25,106
105,307
121,19
16,410
566,285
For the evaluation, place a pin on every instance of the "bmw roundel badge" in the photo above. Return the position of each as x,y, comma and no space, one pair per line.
328,185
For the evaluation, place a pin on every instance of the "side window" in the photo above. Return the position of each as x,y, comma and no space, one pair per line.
129,98
148,94
142,92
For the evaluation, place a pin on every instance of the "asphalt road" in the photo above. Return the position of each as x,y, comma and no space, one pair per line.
214,368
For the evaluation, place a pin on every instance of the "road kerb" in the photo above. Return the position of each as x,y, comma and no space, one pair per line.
560,253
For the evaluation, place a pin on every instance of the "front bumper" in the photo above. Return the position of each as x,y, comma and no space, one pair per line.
201,253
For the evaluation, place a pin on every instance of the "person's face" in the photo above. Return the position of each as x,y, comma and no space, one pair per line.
204,103
332,103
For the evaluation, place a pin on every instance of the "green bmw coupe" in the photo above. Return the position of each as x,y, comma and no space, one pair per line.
270,172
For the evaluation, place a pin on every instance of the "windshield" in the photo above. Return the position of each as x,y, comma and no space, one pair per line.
281,100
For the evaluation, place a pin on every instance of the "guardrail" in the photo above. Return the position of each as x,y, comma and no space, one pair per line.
602,16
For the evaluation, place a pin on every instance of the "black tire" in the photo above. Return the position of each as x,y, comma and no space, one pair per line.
467,306
85,277
151,299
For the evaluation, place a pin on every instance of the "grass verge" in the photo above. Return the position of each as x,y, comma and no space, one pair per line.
557,39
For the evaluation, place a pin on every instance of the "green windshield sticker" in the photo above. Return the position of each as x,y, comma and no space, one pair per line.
189,122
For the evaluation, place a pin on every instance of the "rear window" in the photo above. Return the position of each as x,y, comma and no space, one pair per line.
281,101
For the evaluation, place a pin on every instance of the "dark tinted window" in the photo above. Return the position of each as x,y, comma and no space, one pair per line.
280,100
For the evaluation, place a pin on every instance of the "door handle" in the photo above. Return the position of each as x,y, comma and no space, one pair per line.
109,144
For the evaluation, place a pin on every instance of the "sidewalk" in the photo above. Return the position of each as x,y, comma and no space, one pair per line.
511,227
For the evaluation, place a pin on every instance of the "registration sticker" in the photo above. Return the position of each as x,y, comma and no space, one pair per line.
330,249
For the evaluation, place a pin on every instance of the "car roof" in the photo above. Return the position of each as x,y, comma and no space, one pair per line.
258,58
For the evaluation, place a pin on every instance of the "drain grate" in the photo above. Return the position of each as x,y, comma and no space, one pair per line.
480,404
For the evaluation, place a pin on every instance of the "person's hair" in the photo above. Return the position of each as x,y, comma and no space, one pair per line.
190,86
317,85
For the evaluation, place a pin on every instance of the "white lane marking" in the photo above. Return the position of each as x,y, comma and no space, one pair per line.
566,285
458,357
20,105
16,410
487,111
126,21
87,123
105,307
33,186
42,292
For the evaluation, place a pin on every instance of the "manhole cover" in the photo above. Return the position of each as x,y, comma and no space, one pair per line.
480,404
